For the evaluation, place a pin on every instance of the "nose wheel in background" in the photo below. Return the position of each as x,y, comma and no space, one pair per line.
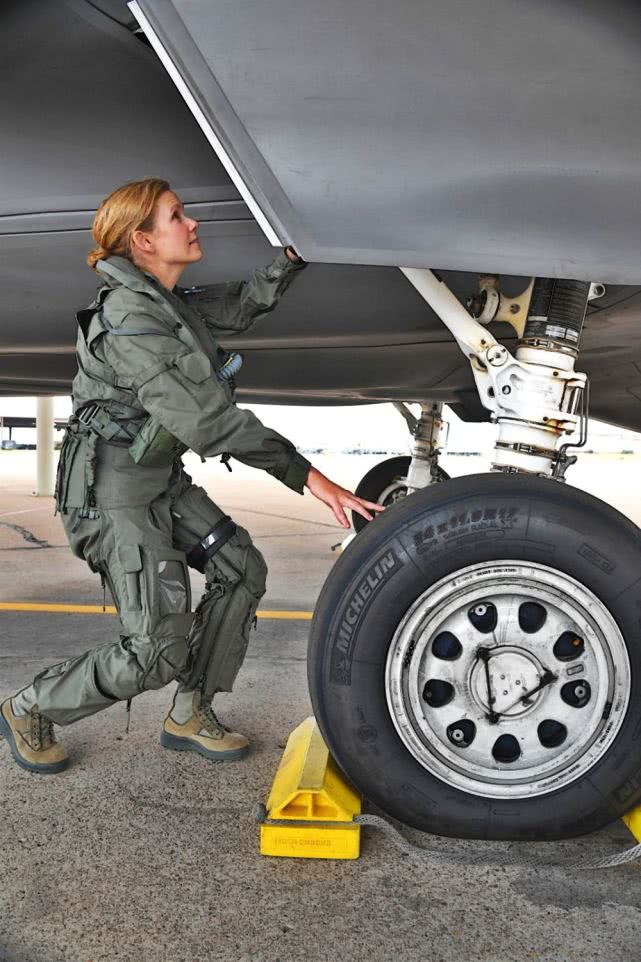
386,483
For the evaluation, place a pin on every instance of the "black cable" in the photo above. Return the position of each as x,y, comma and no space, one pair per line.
492,716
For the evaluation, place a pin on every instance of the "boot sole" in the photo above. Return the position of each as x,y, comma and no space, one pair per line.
52,769
177,744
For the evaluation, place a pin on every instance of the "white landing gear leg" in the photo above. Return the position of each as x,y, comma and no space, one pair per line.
392,480
536,397
427,431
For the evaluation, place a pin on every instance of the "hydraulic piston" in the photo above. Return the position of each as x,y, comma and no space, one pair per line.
535,396
423,469
529,434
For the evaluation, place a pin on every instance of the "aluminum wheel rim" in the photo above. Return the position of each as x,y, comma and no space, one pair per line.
517,661
394,492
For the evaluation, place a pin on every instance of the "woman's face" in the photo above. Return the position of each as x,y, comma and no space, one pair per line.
174,238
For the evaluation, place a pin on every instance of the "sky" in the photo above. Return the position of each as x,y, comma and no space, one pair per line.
377,427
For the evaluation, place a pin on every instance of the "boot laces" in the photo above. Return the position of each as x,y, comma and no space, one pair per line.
207,718
42,733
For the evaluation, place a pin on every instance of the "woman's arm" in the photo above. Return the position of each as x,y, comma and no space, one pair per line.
180,389
233,307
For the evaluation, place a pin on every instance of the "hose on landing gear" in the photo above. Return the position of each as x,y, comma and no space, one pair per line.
556,315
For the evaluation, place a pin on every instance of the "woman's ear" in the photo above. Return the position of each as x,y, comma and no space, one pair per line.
141,242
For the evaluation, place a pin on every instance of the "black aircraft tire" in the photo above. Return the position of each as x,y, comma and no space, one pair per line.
478,520
373,484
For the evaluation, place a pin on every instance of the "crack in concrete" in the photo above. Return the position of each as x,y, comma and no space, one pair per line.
177,808
26,534
45,547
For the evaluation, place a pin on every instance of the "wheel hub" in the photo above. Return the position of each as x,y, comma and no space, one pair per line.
508,679
512,673
395,491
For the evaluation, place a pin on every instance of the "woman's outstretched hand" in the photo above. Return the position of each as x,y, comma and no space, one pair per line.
338,499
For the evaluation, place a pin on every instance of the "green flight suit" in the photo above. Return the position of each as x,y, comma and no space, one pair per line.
148,364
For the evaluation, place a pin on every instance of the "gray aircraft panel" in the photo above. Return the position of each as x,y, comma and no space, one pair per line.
344,333
86,109
494,136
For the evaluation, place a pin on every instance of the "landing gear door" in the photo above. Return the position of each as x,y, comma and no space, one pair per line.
489,136
181,34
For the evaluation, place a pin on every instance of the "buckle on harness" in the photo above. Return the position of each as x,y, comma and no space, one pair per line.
88,413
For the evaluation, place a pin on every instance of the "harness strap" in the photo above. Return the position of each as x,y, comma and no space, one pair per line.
94,417
150,372
211,543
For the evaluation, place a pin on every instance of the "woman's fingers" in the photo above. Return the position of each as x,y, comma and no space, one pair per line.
341,517
373,506
338,499
359,509
362,507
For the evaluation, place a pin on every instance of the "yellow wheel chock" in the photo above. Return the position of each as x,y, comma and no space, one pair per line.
633,821
311,807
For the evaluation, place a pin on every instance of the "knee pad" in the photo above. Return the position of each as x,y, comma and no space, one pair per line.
153,660
161,662
255,572
238,561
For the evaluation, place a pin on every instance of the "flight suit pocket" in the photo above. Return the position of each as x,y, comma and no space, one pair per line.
70,484
195,367
130,560
155,446
174,590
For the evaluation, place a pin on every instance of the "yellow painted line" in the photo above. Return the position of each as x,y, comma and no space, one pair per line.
288,615
70,609
110,610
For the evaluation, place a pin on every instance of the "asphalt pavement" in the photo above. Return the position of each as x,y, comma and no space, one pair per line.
138,854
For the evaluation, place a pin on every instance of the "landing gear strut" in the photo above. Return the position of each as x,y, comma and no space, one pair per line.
392,480
474,662
536,396
424,467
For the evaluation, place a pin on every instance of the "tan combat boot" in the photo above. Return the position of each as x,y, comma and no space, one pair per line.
203,733
32,740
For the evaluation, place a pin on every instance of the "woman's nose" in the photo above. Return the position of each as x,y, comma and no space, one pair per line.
193,224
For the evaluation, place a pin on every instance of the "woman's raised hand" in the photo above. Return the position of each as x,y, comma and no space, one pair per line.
339,499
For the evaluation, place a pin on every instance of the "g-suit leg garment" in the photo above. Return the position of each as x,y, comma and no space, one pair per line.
141,551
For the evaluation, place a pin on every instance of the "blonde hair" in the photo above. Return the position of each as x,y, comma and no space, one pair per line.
129,208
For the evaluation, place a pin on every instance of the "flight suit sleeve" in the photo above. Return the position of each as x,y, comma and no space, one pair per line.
179,388
233,307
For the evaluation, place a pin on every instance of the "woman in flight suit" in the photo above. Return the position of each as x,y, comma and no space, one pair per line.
152,383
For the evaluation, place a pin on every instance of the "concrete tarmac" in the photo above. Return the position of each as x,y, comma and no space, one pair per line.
138,854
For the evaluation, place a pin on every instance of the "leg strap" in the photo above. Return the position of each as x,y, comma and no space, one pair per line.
211,543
